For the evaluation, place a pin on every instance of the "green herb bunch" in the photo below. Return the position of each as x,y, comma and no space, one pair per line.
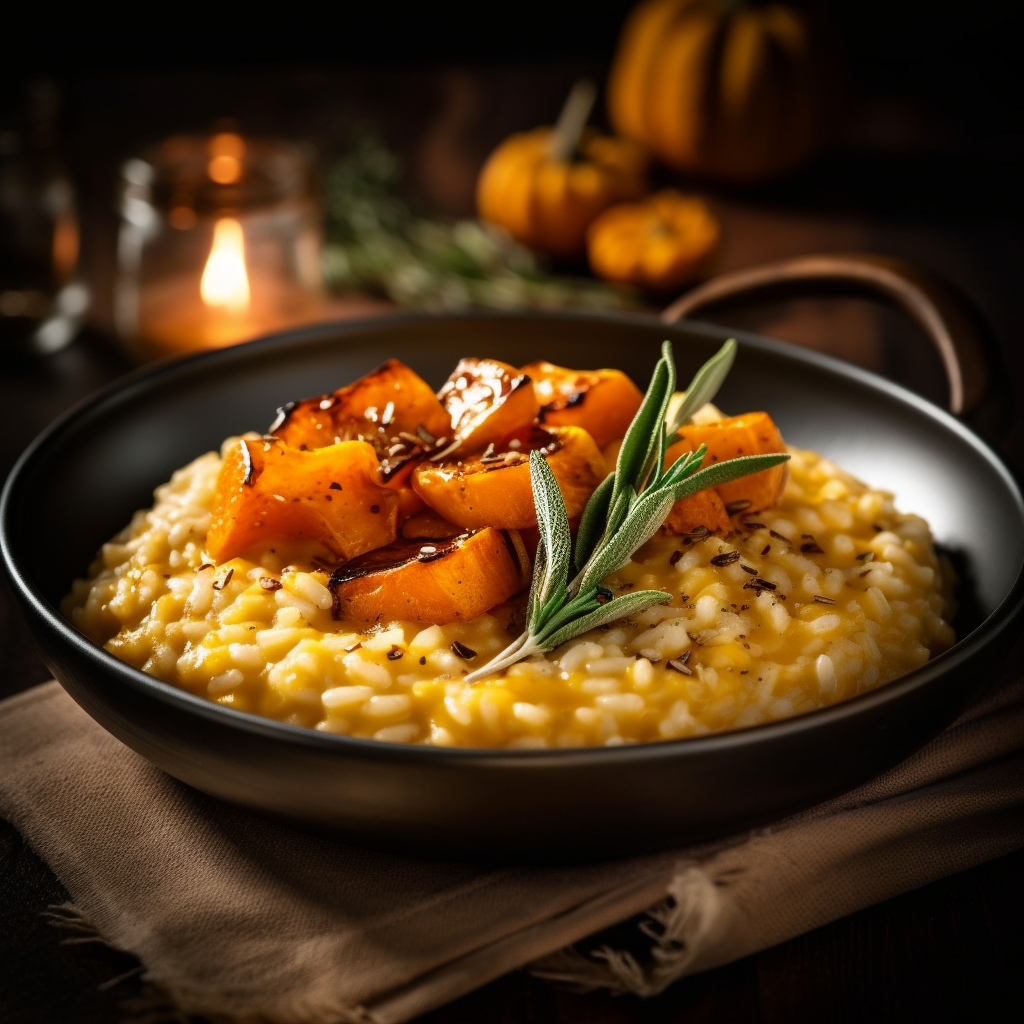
567,596
378,242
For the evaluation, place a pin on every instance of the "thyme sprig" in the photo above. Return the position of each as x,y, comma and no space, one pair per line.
567,596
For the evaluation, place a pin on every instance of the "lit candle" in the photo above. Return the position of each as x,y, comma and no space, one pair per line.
215,247
225,283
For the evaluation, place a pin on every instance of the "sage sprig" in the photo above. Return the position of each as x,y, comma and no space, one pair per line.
567,596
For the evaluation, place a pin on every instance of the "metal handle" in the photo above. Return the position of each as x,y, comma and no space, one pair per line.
946,318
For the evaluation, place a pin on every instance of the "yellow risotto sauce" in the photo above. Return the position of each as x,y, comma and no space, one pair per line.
827,595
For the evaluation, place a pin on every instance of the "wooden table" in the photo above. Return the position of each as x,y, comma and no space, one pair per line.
895,183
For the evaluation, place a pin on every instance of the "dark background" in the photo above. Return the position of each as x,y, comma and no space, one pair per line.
924,161
927,131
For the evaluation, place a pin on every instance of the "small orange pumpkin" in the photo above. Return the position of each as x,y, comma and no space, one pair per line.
658,244
545,186
721,88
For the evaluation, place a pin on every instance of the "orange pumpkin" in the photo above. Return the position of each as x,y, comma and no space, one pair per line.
720,88
660,243
545,186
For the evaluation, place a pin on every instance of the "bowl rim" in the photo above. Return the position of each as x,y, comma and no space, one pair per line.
175,368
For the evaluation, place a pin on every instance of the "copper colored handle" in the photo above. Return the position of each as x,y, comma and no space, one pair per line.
945,318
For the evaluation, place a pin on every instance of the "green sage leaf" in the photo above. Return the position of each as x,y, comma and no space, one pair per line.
592,525
644,519
723,472
617,608
555,535
705,384
638,448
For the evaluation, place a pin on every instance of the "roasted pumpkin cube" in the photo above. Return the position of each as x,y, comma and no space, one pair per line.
495,488
602,402
697,513
267,490
392,408
487,400
437,581
753,433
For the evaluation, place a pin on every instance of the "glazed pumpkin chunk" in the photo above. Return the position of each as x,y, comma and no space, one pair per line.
486,401
494,488
753,433
602,402
400,482
429,525
438,582
697,513
333,495
392,408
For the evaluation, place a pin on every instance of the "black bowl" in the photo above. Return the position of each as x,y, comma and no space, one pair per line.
79,483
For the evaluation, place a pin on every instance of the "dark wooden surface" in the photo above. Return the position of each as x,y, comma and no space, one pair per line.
925,165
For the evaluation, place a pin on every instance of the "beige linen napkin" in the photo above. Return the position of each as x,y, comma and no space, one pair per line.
238,919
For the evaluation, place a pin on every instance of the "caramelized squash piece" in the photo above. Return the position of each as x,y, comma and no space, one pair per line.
400,481
436,582
494,489
267,490
753,433
602,402
486,401
429,525
392,408
696,513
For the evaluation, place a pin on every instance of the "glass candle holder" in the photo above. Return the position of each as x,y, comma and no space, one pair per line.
220,241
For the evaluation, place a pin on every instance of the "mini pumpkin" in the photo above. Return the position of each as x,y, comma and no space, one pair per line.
658,244
727,89
545,186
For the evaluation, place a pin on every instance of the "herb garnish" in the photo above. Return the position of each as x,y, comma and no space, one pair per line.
566,594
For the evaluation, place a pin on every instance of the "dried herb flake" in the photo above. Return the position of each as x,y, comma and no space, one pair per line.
725,558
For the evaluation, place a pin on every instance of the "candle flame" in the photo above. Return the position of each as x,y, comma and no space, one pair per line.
225,282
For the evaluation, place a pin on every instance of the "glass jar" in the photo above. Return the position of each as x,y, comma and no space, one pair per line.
42,299
220,242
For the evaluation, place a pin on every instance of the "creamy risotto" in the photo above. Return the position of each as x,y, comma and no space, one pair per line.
828,594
